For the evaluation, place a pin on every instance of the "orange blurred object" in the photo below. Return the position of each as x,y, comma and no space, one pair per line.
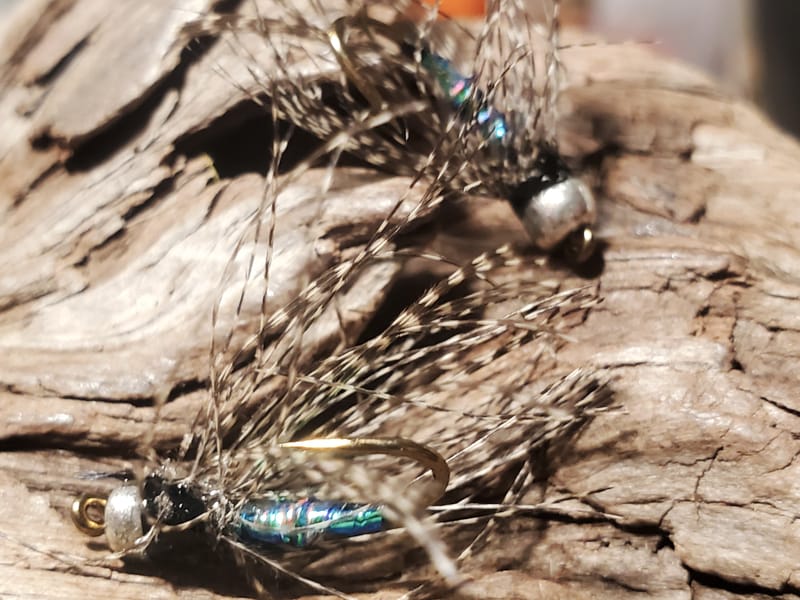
462,8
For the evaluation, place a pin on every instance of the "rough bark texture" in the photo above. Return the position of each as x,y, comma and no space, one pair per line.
114,233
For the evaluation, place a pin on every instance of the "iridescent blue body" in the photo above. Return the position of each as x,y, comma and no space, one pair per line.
556,208
301,523
459,90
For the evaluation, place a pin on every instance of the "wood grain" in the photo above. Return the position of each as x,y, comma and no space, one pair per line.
114,231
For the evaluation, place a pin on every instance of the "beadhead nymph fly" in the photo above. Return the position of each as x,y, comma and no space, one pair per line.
478,117
375,442
409,434
265,521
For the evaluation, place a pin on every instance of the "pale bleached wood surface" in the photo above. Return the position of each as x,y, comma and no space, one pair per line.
113,243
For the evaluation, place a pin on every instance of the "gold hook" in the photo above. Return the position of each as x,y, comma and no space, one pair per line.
580,245
395,446
80,514
336,36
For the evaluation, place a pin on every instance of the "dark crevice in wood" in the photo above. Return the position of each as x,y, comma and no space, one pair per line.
94,147
108,241
76,444
715,581
725,275
627,586
411,235
665,542
186,387
403,293
42,141
53,169
52,13
180,388
779,405
697,215
237,142
594,162
120,475
63,63
553,516
163,189
643,529
240,141
136,402
226,6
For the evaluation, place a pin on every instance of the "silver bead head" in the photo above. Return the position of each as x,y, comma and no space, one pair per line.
123,518
561,209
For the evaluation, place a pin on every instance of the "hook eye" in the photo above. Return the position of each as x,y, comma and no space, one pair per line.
580,245
82,509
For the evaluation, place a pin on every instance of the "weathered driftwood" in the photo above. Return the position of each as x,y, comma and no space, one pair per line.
114,233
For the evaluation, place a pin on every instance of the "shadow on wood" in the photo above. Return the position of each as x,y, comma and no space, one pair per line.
114,240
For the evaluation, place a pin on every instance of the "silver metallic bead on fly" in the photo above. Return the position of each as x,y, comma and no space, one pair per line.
123,518
119,516
559,210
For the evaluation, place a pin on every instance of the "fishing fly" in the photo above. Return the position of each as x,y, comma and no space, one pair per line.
474,113
415,432
291,460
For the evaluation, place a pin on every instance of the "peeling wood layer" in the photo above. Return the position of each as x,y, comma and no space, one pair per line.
114,229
